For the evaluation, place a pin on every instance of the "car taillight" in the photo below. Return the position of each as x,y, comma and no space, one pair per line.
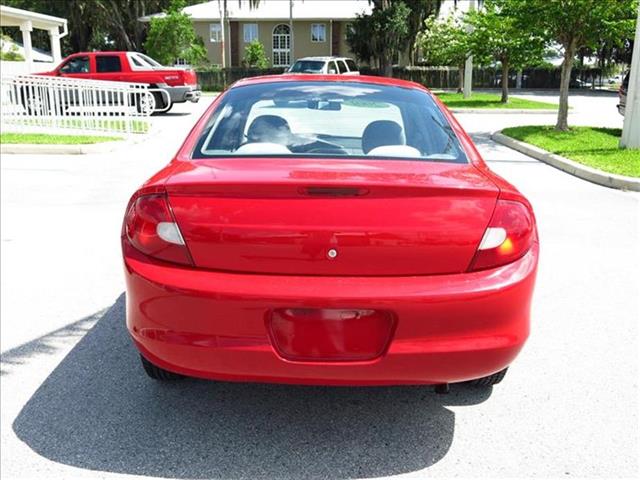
151,229
510,234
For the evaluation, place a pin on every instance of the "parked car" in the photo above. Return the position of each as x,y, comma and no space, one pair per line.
351,236
622,94
579,83
326,65
180,84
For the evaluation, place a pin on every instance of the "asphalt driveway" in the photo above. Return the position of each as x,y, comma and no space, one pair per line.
76,403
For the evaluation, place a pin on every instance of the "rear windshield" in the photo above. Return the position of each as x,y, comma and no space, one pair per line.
307,66
328,119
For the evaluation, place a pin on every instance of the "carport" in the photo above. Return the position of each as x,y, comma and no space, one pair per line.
27,21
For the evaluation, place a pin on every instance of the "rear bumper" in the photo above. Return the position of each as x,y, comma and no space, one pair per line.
449,328
184,93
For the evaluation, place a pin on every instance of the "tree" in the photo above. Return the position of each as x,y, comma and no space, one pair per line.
172,37
420,11
445,42
11,53
575,24
95,24
383,35
498,35
254,55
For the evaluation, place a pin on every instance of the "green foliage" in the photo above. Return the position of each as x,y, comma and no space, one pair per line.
576,24
254,55
498,35
52,139
12,54
383,35
444,41
94,24
582,23
172,37
420,11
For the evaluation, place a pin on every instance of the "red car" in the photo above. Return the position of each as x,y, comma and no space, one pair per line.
329,230
180,84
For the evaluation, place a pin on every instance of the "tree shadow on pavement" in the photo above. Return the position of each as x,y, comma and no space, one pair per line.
98,410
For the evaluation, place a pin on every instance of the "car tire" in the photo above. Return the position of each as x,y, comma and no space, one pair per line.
158,373
489,380
160,104
145,105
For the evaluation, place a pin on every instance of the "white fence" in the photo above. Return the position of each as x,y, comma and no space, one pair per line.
52,103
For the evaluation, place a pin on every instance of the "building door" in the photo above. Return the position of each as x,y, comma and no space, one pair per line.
281,46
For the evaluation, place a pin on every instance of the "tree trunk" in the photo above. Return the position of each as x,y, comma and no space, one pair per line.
562,123
505,82
460,78
386,67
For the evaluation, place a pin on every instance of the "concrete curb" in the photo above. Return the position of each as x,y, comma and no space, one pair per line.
501,111
605,179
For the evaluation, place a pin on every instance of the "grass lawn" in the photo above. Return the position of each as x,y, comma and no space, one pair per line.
491,100
45,138
116,125
595,147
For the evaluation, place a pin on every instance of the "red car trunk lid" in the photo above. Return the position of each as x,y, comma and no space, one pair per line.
333,218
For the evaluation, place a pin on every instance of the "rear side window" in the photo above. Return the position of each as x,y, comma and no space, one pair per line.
332,68
342,66
135,61
76,65
329,119
352,66
108,63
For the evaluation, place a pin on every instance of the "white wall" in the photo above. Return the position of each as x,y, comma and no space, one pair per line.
20,68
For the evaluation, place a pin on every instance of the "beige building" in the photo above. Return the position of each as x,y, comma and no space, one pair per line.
319,28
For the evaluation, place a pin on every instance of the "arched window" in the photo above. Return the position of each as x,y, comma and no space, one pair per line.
281,45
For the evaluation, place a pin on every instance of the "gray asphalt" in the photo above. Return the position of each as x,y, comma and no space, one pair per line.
75,402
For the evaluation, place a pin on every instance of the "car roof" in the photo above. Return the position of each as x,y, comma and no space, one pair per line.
322,59
103,52
293,77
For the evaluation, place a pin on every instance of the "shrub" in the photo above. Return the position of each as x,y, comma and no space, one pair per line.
172,37
12,54
254,56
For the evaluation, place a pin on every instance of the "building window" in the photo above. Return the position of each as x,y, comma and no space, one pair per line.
215,32
318,32
281,46
250,31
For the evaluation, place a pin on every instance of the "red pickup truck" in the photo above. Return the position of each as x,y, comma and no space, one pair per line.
180,84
